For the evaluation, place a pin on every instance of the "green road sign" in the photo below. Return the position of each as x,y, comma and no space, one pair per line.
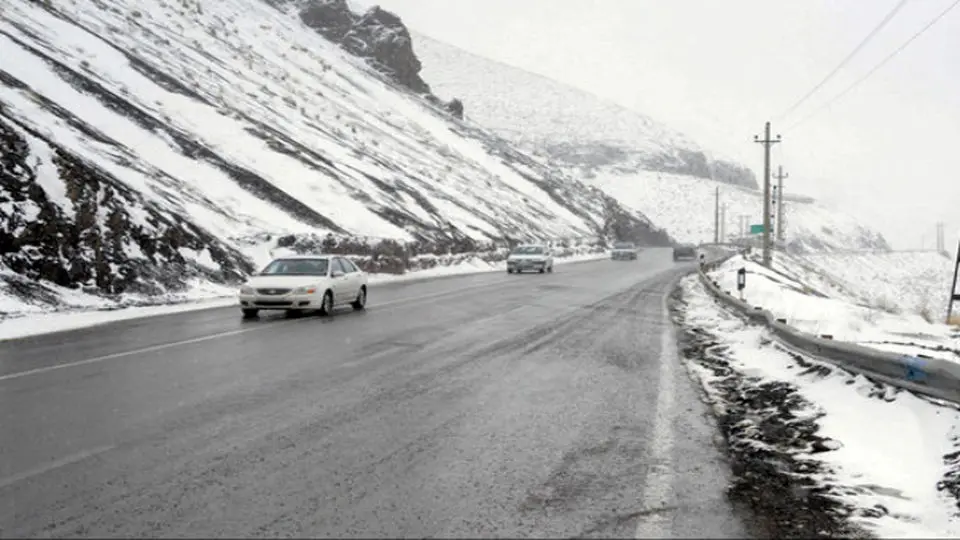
756,229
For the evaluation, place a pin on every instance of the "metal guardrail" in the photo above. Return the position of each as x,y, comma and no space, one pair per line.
933,377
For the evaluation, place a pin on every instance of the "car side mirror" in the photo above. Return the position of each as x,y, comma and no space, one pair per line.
337,273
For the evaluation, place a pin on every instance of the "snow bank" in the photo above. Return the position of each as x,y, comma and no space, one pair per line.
887,472
816,302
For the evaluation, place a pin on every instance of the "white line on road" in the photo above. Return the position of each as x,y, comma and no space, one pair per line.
152,348
658,489
62,462
163,346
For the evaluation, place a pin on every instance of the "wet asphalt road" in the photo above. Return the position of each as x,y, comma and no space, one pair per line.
486,405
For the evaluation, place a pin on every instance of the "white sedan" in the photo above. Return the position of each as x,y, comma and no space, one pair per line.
305,283
535,257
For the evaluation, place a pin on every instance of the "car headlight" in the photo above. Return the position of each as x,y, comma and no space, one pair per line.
246,289
305,290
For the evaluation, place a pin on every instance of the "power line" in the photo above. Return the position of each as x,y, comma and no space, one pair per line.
862,43
877,67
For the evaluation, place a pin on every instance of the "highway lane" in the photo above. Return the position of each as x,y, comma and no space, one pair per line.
484,405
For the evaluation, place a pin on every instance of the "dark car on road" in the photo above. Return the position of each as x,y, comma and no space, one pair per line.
685,251
624,251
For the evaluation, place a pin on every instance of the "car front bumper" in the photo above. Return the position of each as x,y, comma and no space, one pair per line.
287,301
520,266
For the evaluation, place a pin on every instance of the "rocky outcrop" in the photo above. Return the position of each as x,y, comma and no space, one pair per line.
378,36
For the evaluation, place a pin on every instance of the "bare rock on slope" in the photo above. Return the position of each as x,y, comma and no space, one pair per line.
66,221
378,36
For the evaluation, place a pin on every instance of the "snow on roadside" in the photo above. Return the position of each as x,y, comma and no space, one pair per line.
808,459
813,302
86,310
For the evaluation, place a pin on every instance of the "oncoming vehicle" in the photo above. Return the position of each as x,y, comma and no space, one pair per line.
535,257
301,283
624,251
685,251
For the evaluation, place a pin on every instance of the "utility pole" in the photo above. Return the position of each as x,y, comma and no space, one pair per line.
723,223
941,240
779,227
716,218
767,142
954,295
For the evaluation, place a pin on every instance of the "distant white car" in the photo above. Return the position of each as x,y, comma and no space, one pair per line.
536,257
624,251
304,283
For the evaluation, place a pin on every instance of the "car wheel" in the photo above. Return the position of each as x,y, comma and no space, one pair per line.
361,301
326,305
509,270
550,269
250,313
544,269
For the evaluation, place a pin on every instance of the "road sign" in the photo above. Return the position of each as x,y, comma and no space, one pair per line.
756,229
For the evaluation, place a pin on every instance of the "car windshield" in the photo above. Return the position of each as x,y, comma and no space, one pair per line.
296,267
623,245
528,250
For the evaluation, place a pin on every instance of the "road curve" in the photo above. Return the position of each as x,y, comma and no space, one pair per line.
484,405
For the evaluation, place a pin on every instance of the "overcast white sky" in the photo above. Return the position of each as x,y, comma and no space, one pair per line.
889,151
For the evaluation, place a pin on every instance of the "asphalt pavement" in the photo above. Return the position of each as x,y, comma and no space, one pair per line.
485,405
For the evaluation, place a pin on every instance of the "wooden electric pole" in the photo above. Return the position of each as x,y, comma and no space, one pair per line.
723,223
767,143
779,226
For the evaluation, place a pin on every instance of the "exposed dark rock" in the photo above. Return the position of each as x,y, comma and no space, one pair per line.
455,107
109,240
378,36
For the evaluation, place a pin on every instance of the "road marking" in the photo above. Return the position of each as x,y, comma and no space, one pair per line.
152,348
62,462
658,489
164,346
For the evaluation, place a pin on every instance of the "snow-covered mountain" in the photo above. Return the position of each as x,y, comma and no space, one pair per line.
645,165
572,127
153,145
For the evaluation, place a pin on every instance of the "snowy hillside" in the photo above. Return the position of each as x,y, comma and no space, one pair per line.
911,282
884,301
574,128
154,145
642,163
